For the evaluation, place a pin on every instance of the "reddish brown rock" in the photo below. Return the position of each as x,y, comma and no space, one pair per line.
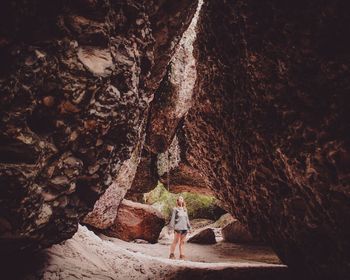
237,233
136,221
205,236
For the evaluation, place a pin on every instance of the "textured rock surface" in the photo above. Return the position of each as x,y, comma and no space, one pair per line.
136,221
236,232
205,236
76,79
270,122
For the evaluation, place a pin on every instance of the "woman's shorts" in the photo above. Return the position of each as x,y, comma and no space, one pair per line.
182,232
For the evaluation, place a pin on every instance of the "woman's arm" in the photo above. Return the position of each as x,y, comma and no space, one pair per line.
188,222
172,220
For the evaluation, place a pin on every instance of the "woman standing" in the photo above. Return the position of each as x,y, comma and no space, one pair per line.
181,225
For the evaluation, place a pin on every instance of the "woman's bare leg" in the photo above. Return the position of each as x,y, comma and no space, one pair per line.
182,244
175,241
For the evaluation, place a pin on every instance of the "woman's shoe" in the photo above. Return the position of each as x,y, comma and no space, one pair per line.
182,257
172,256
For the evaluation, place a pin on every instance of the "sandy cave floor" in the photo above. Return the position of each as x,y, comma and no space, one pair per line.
221,252
87,256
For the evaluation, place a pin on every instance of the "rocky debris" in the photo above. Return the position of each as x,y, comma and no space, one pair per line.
236,232
269,124
76,80
202,224
175,172
205,236
136,221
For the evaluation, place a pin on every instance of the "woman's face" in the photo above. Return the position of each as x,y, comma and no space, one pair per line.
181,199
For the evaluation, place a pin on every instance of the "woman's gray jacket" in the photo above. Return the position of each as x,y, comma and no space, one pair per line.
179,219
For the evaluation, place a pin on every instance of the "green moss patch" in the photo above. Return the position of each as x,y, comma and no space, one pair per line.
198,205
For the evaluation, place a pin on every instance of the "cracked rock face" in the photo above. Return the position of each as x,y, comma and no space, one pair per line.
174,95
165,145
76,80
270,122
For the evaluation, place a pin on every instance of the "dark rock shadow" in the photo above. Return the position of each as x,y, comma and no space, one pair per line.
20,266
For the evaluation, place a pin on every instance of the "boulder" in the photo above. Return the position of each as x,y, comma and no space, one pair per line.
136,221
205,236
237,233
165,236
175,172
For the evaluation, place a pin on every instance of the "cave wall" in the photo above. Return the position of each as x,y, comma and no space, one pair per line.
76,80
270,120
